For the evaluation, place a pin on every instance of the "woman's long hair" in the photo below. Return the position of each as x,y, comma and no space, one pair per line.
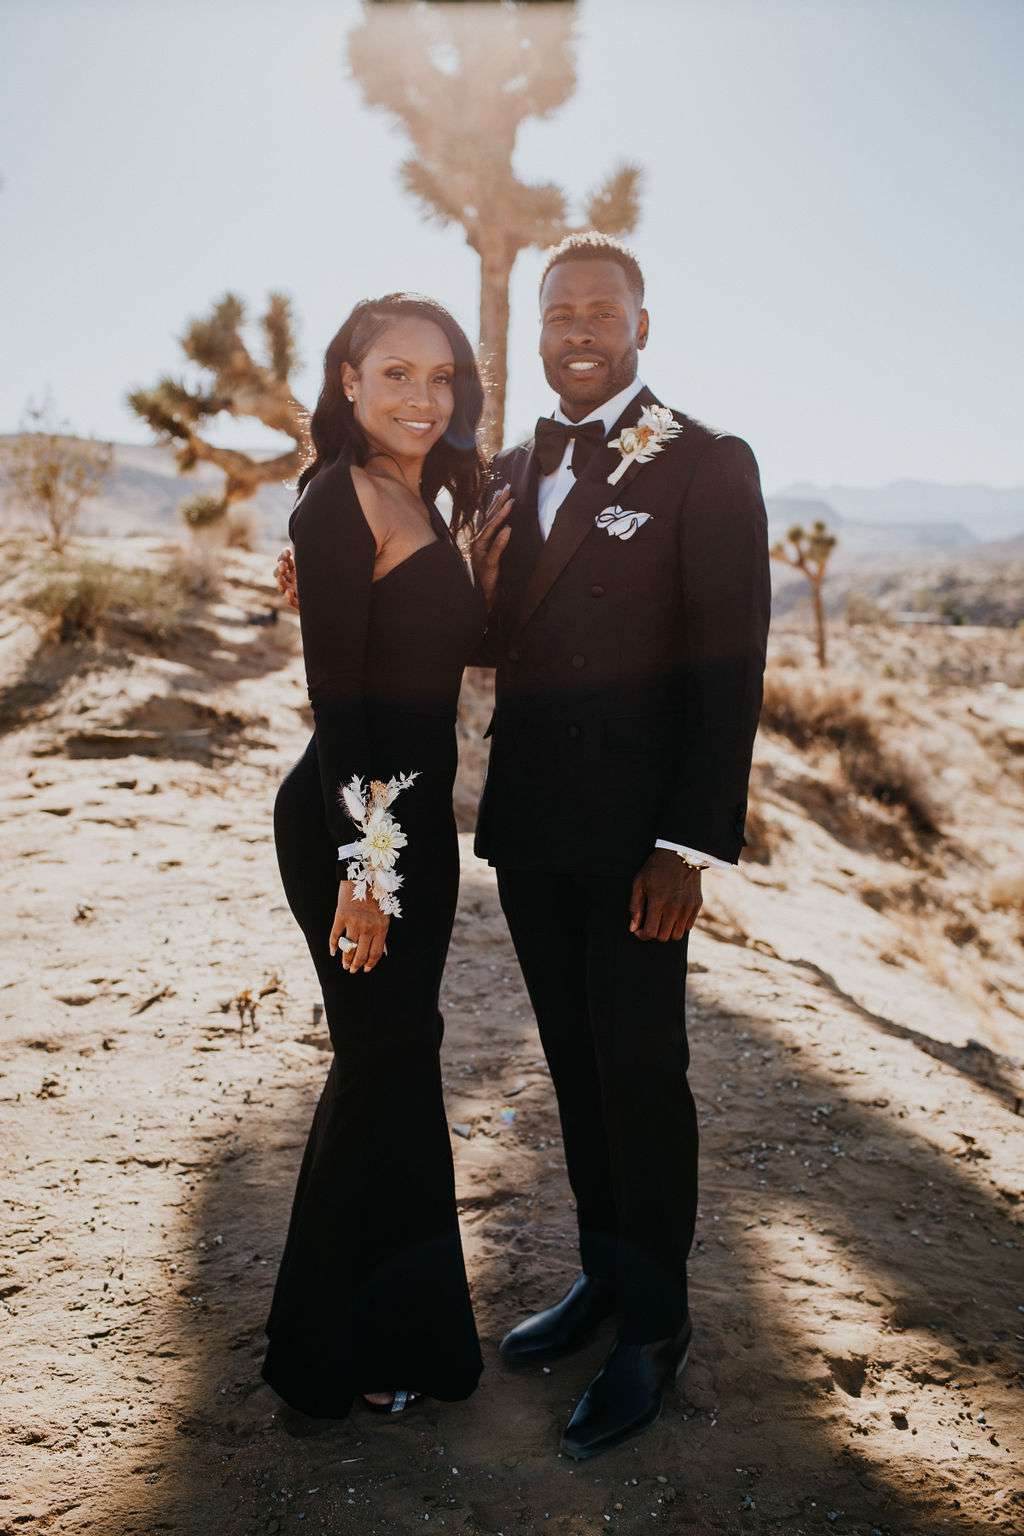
455,462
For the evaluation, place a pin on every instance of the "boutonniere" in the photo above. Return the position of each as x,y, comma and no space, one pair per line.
656,427
621,524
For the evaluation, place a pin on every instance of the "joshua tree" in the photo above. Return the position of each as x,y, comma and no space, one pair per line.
461,79
52,474
239,385
809,552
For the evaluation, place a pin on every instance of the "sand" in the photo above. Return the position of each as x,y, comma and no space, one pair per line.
858,1288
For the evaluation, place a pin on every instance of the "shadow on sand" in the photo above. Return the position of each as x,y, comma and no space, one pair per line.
772,1428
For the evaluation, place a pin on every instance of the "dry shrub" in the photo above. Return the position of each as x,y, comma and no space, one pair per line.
862,609
810,713
892,776
202,511
198,569
825,714
79,598
243,529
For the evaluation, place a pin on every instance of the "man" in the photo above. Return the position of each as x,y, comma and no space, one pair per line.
629,595
625,564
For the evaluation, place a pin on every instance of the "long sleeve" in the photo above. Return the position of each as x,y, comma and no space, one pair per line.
334,559
723,554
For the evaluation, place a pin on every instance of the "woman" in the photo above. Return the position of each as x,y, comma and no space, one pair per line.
371,1296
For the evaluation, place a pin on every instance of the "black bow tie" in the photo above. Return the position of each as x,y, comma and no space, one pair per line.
551,437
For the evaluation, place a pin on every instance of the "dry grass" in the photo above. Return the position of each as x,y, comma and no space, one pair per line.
823,713
243,528
811,712
199,570
79,598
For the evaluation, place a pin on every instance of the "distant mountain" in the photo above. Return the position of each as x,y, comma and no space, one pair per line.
145,491
894,569
907,520
985,511
801,509
857,537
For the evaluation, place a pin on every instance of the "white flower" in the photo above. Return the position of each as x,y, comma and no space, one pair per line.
621,524
660,419
372,871
384,837
654,429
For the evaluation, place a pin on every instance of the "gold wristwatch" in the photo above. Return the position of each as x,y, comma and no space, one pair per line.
692,863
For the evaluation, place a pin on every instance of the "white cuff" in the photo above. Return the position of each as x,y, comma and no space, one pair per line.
693,854
348,850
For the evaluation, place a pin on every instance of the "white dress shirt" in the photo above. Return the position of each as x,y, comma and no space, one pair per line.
551,492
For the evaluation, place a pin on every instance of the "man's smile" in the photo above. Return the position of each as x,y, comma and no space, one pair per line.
583,365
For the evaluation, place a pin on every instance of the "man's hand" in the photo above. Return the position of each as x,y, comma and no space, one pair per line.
284,575
489,544
666,897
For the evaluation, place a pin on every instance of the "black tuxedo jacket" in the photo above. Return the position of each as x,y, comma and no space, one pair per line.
628,670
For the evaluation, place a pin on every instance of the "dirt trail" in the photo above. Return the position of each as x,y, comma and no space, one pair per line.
858,1286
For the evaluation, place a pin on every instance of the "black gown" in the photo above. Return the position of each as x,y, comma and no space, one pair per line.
371,1294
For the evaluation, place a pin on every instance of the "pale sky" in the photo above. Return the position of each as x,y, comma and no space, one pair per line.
832,230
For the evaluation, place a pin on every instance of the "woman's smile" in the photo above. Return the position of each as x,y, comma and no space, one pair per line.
419,425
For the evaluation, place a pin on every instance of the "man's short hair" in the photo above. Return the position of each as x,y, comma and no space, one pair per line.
593,246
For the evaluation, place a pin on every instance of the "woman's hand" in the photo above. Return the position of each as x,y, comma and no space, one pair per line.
284,575
489,544
364,923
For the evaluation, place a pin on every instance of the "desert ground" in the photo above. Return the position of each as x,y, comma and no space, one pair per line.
856,1018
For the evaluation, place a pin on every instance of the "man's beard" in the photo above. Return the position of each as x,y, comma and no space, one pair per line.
618,373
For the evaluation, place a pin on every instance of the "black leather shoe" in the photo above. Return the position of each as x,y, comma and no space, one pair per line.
626,1395
562,1328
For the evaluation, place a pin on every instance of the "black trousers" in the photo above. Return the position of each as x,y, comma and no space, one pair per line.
610,1009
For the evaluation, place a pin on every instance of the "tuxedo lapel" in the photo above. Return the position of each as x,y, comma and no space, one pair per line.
524,484
575,517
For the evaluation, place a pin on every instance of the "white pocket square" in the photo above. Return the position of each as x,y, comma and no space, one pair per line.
620,523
